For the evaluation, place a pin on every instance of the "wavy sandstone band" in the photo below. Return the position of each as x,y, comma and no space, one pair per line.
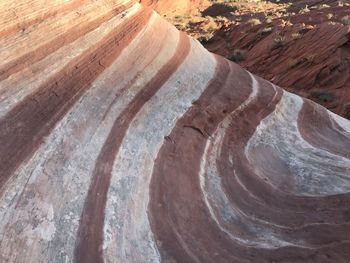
124,140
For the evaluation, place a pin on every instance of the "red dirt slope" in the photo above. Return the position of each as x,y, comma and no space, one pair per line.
306,50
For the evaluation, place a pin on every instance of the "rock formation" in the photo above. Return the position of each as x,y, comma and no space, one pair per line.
306,50
166,7
124,140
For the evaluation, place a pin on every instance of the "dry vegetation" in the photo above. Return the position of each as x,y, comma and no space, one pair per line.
223,13
265,36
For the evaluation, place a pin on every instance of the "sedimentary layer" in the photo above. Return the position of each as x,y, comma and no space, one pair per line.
124,140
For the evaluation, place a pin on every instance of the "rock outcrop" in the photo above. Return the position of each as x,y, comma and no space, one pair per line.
306,50
124,140
179,7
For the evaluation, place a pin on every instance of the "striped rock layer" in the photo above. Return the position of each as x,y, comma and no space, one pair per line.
124,140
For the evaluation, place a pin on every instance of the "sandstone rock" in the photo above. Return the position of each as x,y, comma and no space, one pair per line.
124,140
303,52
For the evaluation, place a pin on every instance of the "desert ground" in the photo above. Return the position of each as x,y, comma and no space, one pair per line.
302,46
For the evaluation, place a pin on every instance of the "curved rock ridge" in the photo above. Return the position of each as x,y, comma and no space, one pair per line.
124,140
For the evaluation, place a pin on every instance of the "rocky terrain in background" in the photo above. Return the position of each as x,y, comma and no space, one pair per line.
124,140
302,46
179,7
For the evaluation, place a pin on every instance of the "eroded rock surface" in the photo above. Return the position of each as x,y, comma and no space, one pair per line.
179,7
306,49
124,140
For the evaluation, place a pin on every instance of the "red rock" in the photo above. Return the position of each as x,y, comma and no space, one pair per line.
317,59
124,140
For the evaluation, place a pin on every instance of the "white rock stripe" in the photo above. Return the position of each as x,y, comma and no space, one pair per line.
213,194
128,196
123,140
280,132
74,145
29,80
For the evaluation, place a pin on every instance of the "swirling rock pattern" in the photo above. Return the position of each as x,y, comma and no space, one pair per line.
124,140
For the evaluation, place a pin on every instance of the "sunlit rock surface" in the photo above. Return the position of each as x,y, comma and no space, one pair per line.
179,7
124,140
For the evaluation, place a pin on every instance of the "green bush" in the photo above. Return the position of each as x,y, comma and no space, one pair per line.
347,110
238,55
346,20
278,41
322,95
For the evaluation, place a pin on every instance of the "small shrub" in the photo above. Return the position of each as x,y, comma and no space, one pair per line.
268,20
296,35
323,6
304,10
304,30
278,42
206,38
346,20
254,22
238,55
343,3
311,58
181,17
222,18
267,30
322,95
347,110
182,27
293,63
330,16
